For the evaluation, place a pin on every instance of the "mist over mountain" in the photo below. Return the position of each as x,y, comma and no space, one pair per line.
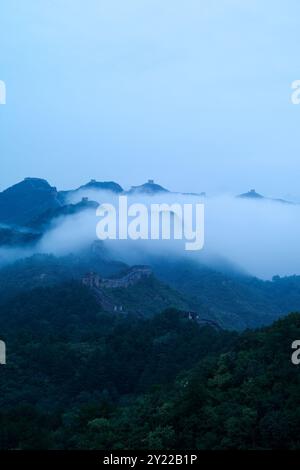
257,234
147,188
149,261
52,240
252,194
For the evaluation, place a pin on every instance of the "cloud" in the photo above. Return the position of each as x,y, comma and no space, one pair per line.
261,237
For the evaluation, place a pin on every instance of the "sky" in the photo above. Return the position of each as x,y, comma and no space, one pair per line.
194,94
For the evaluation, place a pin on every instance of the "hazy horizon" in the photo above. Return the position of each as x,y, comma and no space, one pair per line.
156,182
260,238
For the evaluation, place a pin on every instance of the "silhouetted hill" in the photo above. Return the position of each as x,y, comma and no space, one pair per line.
92,185
252,194
20,203
148,188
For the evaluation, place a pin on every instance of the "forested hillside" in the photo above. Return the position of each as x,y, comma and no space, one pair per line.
78,377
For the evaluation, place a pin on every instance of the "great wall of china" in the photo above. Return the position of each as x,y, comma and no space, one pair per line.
100,286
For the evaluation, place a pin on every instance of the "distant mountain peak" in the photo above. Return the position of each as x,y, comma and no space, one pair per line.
252,194
34,180
103,185
30,183
91,185
149,188
27,199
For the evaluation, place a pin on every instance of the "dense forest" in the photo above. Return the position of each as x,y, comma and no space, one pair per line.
81,378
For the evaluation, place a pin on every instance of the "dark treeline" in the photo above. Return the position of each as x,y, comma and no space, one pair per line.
79,378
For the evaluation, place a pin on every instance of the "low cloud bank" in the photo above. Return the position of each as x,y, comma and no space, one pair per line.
261,237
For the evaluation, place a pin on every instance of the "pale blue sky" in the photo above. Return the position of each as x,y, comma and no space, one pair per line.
195,94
